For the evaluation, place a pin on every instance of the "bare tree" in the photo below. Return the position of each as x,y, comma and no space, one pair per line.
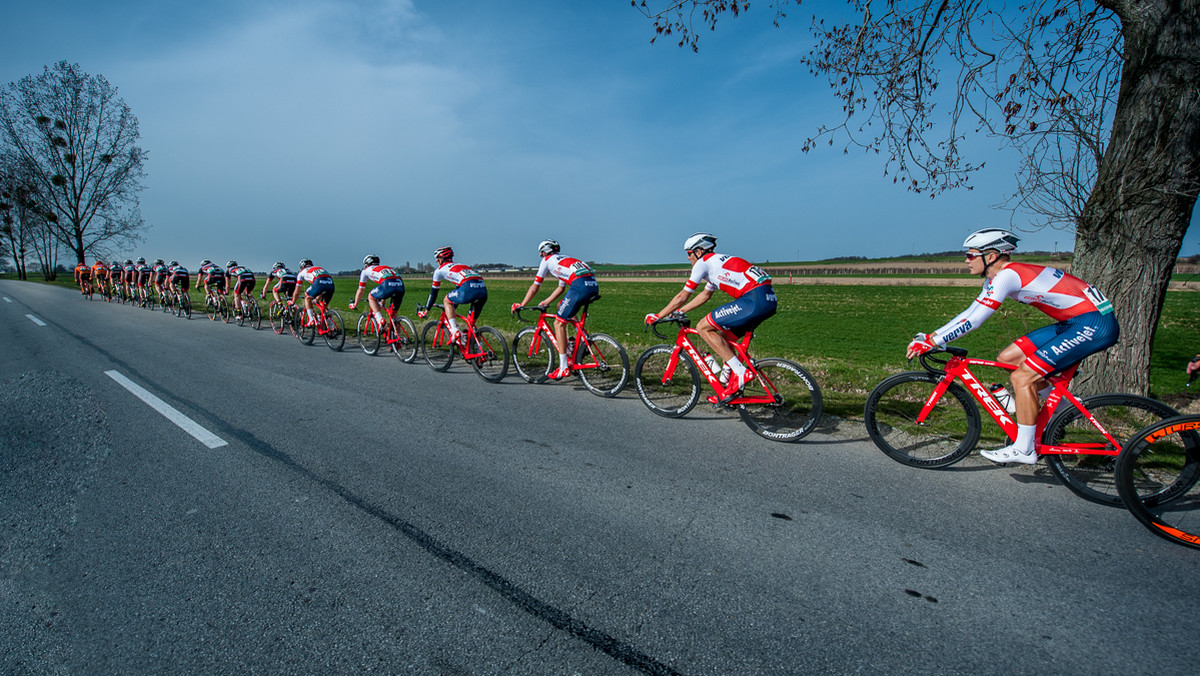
21,218
80,141
1099,98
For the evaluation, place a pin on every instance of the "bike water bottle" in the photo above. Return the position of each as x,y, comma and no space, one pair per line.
1003,396
712,363
571,346
725,371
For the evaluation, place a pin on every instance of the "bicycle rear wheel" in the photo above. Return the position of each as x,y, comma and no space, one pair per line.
492,365
368,334
1091,476
275,316
946,435
404,339
669,397
604,365
436,347
185,305
240,312
796,406
335,330
255,317
223,309
533,363
1156,475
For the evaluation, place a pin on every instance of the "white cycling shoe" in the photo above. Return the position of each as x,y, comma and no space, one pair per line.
1010,454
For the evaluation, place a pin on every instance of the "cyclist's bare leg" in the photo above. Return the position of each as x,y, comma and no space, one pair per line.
715,339
377,309
451,317
1025,385
560,334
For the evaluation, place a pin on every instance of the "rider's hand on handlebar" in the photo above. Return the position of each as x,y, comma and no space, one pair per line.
651,318
920,344
422,313
514,308
352,305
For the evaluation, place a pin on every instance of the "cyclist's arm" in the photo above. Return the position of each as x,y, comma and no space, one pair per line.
980,310
554,295
700,299
533,289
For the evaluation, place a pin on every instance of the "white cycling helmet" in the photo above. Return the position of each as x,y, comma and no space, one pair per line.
700,240
992,238
443,252
548,246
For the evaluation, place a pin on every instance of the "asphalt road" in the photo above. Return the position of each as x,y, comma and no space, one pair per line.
351,514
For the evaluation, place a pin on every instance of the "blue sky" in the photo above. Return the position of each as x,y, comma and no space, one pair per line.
329,129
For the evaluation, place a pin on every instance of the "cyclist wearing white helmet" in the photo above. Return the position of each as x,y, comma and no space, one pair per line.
468,288
388,285
320,285
1085,325
579,283
753,302
285,282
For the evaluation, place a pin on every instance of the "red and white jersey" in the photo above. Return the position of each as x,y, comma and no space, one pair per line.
1050,290
376,273
563,268
735,276
312,273
455,273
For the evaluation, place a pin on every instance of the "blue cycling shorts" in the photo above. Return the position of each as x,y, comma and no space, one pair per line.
1053,348
392,287
473,291
321,286
746,313
579,292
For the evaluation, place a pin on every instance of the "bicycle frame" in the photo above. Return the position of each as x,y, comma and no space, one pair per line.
958,367
581,334
442,335
741,347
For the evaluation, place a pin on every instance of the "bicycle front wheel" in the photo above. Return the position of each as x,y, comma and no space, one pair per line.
602,363
533,354
1087,475
255,317
436,346
670,396
368,334
223,308
492,364
795,406
276,317
947,434
335,330
404,339
1156,475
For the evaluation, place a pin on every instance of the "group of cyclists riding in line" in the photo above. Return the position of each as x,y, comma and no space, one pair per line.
1084,319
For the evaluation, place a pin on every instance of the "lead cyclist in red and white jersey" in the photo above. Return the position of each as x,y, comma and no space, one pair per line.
753,302
1085,325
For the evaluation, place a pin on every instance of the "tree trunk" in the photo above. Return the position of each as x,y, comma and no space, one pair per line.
1133,224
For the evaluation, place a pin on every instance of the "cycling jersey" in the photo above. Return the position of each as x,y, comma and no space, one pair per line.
160,274
100,271
389,284
129,271
320,282
142,275
82,272
244,277
469,286
286,280
564,268
312,274
1050,290
735,276
179,277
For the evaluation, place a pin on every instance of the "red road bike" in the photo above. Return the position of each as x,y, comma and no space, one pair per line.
598,359
926,419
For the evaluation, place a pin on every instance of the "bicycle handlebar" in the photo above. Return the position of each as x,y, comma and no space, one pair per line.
541,309
939,364
673,318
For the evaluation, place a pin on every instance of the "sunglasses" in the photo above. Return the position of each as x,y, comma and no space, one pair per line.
973,256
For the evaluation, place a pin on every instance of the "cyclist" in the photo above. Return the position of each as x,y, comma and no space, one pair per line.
469,288
178,278
83,277
388,285
212,278
285,285
575,279
141,278
243,283
753,302
128,278
160,276
1085,325
320,285
100,275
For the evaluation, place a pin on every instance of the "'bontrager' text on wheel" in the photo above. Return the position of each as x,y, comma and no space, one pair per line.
796,405
1091,476
669,397
604,364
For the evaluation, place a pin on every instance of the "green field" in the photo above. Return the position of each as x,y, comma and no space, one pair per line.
849,337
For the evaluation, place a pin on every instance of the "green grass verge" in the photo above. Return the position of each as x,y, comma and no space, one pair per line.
849,337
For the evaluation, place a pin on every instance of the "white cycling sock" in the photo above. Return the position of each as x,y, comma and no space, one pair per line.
562,361
1024,442
736,364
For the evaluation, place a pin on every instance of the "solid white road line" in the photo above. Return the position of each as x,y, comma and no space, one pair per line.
7,299
35,320
185,423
